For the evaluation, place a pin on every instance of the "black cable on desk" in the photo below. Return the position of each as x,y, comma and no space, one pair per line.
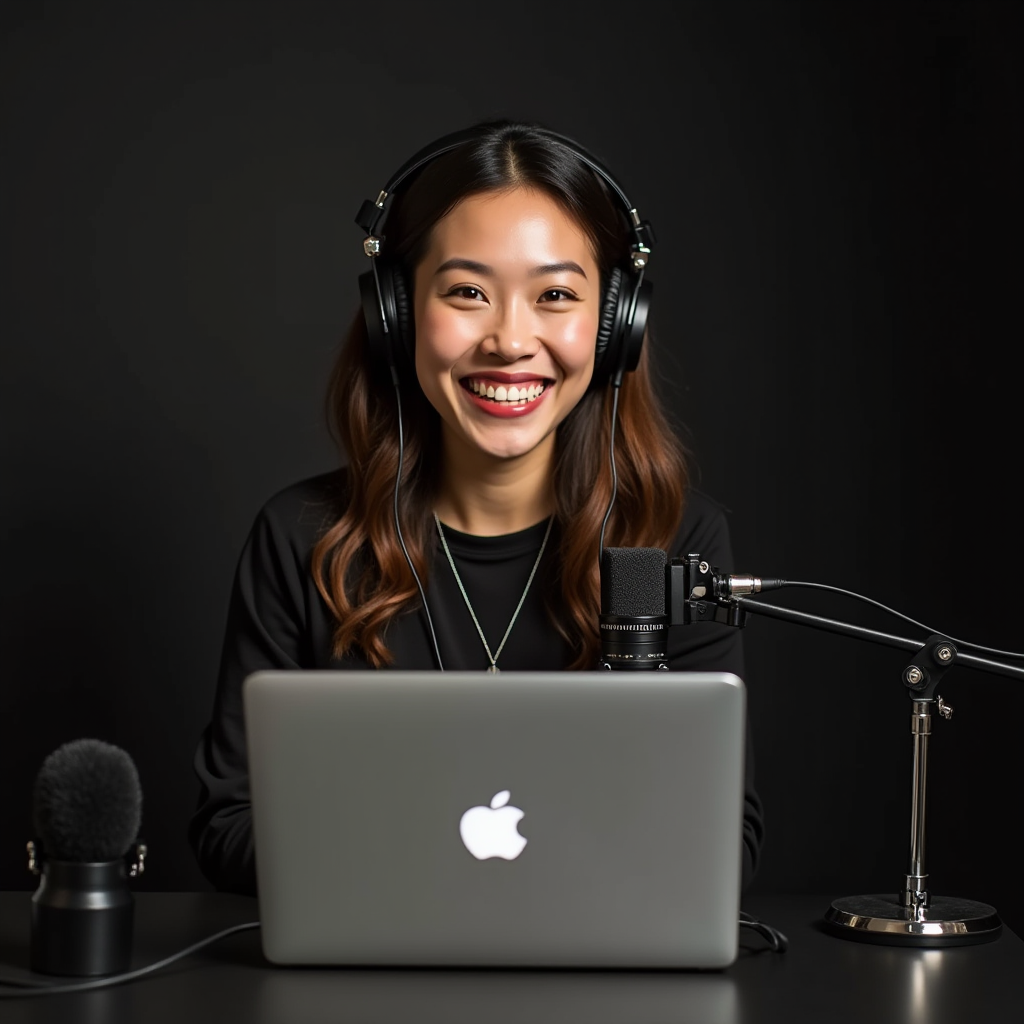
775,939
43,988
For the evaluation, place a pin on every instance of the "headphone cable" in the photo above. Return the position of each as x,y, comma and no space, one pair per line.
398,525
611,460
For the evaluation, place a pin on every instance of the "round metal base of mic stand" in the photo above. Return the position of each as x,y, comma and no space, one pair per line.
946,921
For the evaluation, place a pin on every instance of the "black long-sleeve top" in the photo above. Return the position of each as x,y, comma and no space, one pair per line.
278,620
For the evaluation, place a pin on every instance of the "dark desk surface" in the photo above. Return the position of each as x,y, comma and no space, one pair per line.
819,979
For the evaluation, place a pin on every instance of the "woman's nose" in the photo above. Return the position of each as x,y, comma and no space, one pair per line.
512,336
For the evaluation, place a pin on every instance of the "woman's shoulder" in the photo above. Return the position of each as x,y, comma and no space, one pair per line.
307,508
704,527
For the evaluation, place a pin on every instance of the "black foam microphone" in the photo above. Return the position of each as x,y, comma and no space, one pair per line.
634,626
86,811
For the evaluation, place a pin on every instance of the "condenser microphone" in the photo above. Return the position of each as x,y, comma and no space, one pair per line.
86,811
633,623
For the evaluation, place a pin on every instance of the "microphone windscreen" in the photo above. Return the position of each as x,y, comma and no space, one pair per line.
633,581
87,802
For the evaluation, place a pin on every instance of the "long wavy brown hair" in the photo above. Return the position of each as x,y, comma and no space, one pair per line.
358,563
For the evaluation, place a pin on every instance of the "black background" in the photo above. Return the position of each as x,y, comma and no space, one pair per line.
836,193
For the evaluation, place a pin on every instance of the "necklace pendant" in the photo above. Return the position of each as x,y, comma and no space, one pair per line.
493,669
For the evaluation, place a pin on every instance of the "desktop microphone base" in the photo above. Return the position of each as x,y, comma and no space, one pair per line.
946,921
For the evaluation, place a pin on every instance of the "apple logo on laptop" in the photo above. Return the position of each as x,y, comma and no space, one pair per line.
491,831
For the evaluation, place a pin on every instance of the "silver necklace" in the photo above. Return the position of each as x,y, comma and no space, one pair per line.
493,658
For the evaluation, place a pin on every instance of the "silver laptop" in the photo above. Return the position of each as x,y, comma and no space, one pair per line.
554,819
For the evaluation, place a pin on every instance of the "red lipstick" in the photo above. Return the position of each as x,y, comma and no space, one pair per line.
506,410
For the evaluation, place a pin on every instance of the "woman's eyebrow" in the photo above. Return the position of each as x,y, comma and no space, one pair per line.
558,268
457,263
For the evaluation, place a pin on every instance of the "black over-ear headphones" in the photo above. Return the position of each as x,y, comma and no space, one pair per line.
386,295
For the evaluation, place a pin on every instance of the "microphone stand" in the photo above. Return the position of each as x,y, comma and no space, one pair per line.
913,916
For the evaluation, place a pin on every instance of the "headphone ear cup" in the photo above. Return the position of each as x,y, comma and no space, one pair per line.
404,341
377,340
604,350
388,315
619,343
633,335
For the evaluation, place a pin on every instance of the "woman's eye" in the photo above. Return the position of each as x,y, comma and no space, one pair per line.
558,295
466,291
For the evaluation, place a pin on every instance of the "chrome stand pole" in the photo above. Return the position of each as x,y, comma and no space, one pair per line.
915,892
914,917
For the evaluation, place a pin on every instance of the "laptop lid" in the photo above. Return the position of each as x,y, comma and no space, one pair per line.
580,819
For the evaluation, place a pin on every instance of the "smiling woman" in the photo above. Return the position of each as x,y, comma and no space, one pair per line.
512,258
500,344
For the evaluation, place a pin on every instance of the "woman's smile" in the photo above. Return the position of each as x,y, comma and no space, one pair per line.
506,394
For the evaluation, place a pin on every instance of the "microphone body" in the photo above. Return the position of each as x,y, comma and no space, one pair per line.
633,623
87,805
82,919
634,643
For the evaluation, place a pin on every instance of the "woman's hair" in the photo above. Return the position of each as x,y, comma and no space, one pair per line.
358,564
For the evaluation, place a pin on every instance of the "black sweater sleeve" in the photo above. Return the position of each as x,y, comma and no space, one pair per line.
710,646
266,629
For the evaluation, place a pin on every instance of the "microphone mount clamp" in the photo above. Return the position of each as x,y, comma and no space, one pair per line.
696,591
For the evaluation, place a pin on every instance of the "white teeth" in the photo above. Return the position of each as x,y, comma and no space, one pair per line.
510,395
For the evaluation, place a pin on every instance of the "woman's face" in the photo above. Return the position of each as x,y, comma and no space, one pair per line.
507,302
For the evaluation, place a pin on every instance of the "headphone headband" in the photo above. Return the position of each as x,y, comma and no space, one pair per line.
371,215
